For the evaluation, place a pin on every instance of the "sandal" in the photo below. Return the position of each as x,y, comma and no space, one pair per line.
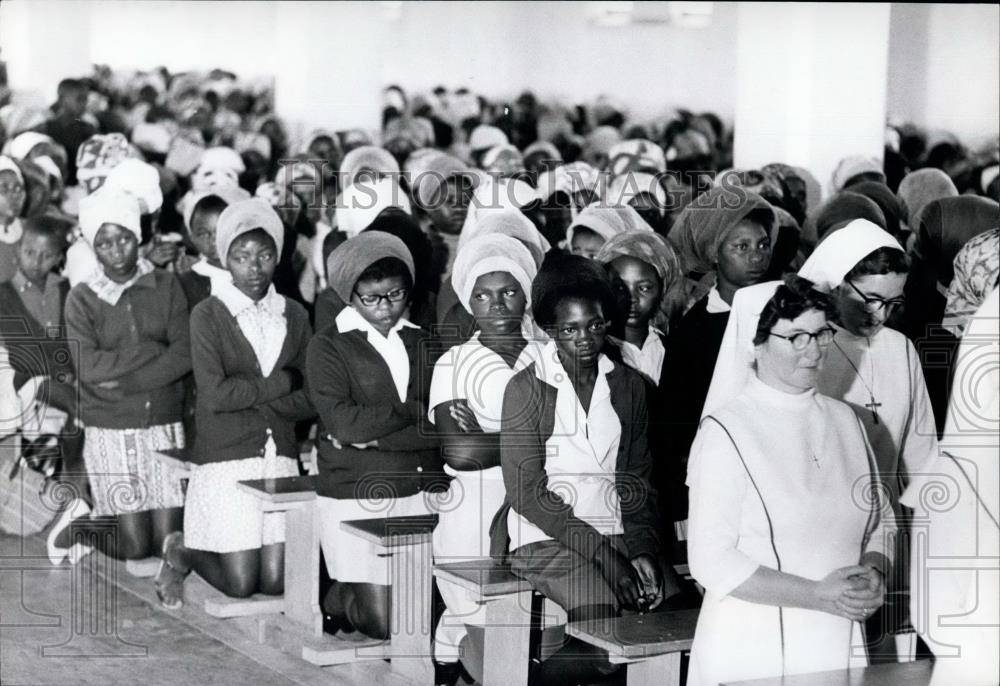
169,580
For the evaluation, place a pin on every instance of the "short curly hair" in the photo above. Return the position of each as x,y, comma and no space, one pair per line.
570,277
795,296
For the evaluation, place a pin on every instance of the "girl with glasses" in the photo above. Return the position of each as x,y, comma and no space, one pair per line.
368,375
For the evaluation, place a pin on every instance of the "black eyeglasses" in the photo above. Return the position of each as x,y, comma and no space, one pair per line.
874,304
800,341
373,299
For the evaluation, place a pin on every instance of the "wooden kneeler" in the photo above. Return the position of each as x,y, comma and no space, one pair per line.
507,599
296,496
650,644
407,542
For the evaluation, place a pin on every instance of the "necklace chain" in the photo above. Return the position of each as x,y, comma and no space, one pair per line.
873,405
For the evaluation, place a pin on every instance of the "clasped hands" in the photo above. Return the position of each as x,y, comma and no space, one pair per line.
637,583
854,592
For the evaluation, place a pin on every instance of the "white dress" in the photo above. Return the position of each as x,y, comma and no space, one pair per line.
781,481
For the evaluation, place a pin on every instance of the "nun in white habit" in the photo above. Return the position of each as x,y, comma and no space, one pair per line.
786,527
871,367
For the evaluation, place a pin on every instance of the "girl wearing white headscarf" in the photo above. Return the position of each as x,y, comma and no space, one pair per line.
129,323
492,276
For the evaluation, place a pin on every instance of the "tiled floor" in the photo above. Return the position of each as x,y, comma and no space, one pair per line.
94,624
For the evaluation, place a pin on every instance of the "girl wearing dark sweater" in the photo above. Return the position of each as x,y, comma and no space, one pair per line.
128,328
249,346
368,373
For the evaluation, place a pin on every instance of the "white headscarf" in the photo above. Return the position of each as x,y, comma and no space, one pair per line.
138,179
840,251
109,206
510,223
497,195
488,253
363,201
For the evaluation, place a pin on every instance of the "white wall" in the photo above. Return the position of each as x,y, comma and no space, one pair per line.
944,67
802,99
330,60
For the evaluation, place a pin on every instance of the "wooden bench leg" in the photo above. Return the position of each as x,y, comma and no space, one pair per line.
410,569
507,653
663,670
301,600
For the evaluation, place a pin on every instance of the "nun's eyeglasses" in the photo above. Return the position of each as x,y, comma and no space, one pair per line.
800,341
373,299
875,304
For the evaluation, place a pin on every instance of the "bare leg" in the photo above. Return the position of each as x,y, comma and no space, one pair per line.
272,569
166,521
364,607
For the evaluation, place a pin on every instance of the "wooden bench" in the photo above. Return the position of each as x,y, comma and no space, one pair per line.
650,644
407,541
507,600
296,497
898,674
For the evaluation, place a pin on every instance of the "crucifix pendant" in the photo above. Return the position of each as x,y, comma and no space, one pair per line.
873,406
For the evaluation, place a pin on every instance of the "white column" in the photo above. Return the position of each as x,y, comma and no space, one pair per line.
811,84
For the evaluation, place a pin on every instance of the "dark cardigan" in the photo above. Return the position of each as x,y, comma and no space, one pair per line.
692,349
34,351
141,342
238,407
529,406
357,402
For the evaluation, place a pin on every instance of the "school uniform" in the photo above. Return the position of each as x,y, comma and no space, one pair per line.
366,387
574,479
249,360
32,323
136,335
479,376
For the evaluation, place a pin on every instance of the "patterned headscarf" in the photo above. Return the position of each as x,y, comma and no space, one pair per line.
99,154
651,248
